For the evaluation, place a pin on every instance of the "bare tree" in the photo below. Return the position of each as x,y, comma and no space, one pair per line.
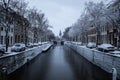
7,20
96,12
112,15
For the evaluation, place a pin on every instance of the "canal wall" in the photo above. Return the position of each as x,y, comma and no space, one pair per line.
104,60
15,60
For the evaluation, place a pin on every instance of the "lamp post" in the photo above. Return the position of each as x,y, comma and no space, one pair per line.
114,74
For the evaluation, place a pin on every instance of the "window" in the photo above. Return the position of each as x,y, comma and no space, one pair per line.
11,40
1,28
16,39
21,38
11,29
1,39
4,40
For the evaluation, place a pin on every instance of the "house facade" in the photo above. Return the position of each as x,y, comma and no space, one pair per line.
92,35
10,35
107,35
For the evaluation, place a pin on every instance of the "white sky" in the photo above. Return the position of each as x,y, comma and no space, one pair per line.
60,13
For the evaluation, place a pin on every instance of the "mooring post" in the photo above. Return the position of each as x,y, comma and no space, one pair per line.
4,73
114,74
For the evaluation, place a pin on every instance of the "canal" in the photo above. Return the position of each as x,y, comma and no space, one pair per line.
59,63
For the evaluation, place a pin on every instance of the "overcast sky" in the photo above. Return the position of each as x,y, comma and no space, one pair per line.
60,13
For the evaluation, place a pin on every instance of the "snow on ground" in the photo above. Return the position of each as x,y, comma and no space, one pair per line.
8,54
83,46
44,46
114,53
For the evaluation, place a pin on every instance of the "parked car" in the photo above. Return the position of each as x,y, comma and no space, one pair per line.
91,45
39,43
35,44
29,45
2,48
106,47
79,43
18,47
115,53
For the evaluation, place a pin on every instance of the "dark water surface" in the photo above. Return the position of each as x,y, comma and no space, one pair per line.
59,63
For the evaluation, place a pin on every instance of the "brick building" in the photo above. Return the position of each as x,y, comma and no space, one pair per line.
92,34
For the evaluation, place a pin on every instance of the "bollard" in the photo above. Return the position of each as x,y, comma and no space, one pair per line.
28,61
114,74
4,73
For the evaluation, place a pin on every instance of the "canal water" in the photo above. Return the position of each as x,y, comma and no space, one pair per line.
59,63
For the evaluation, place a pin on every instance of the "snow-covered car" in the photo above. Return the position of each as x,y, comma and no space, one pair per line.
18,47
116,53
44,42
2,48
35,44
79,43
91,45
39,43
106,47
29,45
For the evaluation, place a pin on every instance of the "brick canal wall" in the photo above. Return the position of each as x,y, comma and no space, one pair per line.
103,60
14,60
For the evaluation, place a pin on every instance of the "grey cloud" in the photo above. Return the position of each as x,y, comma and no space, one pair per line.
61,13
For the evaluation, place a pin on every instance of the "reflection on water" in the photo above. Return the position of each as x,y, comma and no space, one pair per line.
83,69
34,70
59,69
60,63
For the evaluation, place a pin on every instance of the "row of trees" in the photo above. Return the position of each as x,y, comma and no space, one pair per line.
17,13
95,15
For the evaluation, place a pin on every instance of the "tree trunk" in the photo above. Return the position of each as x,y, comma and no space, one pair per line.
118,31
6,40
